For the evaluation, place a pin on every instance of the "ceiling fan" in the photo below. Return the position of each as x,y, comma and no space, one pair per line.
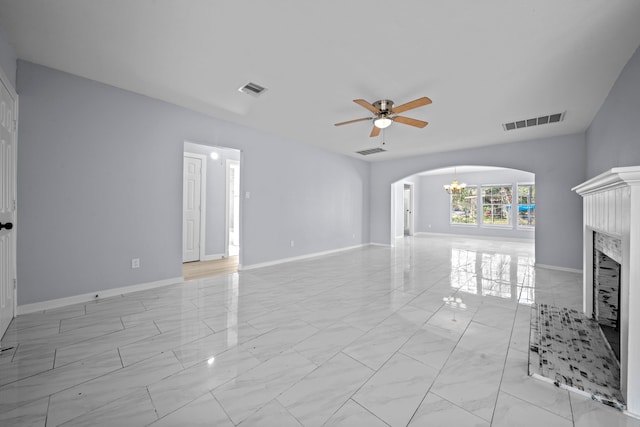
385,113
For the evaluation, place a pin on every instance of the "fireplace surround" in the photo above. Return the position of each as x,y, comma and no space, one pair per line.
611,208
607,256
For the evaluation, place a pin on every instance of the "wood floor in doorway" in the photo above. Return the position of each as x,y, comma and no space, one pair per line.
202,269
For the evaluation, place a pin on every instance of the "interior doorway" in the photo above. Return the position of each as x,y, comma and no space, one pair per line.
220,209
490,201
8,127
233,208
408,209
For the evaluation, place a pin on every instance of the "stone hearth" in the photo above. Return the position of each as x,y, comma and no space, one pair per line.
567,349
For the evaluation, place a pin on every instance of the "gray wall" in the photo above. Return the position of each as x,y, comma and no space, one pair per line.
434,203
7,58
216,196
100,182
558,164
613,139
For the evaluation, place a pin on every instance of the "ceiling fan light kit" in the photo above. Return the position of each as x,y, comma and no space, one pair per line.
385,113
382,122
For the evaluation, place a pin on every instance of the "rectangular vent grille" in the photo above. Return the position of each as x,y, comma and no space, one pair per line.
536,121
371,151
252,89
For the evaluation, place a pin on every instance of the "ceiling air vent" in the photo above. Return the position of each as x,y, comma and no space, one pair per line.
252,89
371,151
535,121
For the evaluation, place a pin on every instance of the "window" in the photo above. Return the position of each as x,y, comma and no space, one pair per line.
464,206
526,205
496,205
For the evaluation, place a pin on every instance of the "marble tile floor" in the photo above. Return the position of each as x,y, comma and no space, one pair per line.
431,332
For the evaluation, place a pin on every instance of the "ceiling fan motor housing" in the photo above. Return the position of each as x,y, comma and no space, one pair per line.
384,106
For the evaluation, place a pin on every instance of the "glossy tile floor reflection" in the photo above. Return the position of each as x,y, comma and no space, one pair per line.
432,332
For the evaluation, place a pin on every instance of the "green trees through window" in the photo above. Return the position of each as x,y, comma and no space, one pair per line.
464,206
526,205
495,206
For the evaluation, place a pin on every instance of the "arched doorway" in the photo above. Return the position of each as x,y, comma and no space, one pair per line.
496,202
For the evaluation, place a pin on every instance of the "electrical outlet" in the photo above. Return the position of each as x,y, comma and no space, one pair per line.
292,243
135,262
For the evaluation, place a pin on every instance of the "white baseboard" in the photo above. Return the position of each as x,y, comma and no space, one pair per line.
509,239
555,267
479,236
297,258
213,257
632,414
384,245
106,293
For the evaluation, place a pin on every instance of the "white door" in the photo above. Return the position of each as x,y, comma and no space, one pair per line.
8,119
191,221
233,207
408,210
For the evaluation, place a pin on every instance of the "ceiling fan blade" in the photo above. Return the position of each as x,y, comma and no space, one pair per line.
375,131
353,121
411,105
410,122
366,105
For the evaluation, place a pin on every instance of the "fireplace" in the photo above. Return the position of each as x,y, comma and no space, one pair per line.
611,254
607,255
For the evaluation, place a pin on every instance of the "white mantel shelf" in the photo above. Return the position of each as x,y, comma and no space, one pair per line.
611,205
613,178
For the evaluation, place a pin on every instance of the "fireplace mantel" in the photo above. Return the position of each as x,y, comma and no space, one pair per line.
611,205
614,178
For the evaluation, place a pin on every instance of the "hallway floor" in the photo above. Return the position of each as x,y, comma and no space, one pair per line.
204,269
433,332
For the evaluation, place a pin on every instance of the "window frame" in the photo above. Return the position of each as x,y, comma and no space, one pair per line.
481,205
517,223
464,224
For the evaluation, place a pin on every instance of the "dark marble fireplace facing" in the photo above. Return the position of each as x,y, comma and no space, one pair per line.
607,255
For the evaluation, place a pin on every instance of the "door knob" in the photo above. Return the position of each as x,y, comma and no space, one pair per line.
7,225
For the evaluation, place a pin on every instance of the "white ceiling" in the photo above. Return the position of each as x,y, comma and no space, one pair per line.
482,63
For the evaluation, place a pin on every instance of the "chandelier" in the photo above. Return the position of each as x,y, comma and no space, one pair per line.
454,187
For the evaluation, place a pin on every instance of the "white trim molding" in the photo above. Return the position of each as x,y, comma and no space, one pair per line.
382,245
94,296
214,257
479,236
228,201
555,267
613,178
298,258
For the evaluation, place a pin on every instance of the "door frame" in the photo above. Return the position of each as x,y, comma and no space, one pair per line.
228,204
203,200
396,208
4,80
411,188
